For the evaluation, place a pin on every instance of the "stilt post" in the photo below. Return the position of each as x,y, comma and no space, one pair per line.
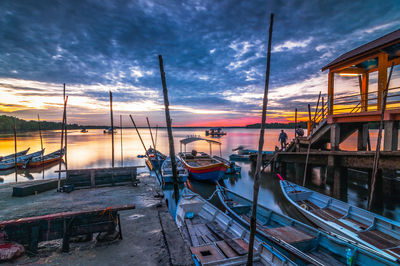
253,224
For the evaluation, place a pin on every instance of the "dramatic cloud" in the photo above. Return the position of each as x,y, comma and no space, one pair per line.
214,56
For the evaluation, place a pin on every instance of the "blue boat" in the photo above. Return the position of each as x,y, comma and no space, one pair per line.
243,154
371,230
155,159
166,171
215,238
285,233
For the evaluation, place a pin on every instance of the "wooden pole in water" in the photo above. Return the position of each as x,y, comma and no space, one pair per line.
169,128
112,131
253,225
144,147
155,142
66,135
122,154
15,148
378,144
62,144
295,122
41,144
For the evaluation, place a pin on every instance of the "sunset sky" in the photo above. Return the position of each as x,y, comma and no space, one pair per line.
214,54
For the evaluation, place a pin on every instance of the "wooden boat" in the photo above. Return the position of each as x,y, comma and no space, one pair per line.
244,154
46,159
21,160
200,165
155,159
11,156
287,234
166,171
215,131
215,238
369,229
233,168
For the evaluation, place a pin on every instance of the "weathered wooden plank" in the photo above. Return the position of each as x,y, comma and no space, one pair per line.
192,234
31,188
235,246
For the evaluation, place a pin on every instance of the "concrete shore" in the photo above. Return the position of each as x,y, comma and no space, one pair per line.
150,235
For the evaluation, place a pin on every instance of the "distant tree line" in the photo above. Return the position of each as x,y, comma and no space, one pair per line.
278,125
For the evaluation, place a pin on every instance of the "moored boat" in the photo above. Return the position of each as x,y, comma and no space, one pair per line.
287,234
233,167
166,171
21,160
109,131
215,238
368,229
155,159
243,154
215,132
200,165
46,159
12,156
84,130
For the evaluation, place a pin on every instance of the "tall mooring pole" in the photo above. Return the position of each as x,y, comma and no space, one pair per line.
112,131
65,133
253,225
15,149
169,128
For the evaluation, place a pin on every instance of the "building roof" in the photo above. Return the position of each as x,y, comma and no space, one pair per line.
373,46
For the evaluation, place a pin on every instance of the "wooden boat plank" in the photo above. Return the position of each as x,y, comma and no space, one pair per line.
206,232
226,249
328,217
394,252
327,259
288,234
207,253
192,234
334,213
378,239
235,246
358,223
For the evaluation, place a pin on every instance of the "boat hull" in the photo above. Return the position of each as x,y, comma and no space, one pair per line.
212,174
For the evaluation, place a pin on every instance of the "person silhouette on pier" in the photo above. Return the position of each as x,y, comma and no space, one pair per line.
283,137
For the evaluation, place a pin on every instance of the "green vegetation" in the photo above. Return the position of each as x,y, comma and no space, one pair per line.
7,125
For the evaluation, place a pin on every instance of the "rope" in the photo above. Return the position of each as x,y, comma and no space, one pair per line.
212,195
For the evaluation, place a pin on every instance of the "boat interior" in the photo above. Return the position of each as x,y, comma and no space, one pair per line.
201,159
215,239
287,229
373,229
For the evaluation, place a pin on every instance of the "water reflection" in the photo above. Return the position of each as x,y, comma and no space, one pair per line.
93,149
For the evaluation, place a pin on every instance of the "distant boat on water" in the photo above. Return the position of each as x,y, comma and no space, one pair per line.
215,131
84,130
109,131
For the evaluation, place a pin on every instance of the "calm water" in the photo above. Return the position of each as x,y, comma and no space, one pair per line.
93,149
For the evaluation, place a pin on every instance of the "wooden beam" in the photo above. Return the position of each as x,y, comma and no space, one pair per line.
364,92
395,61
331,82
382,77
350,70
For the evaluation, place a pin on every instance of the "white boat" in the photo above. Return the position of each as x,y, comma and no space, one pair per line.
166,170
371,230
11,156
216,239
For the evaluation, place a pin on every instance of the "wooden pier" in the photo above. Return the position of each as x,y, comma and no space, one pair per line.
343,115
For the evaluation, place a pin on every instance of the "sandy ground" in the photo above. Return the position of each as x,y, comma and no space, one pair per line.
150,236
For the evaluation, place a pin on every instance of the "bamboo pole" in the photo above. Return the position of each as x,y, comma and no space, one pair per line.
41,144
378,144
122,154
169,128
112,131
15,149
253,225
66,135
155,142
144,147
62,144
295,122
154,145
316,109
